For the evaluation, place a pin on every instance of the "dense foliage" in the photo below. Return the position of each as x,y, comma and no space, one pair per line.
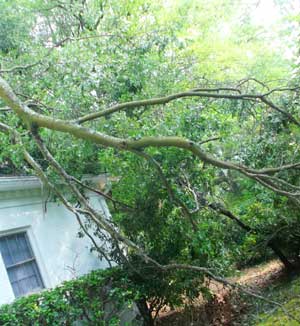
83,300
65,60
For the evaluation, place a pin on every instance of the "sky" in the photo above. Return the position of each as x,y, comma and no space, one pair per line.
266,13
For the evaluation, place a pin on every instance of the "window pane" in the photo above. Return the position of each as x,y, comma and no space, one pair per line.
15,248
25,278
5,252
24,275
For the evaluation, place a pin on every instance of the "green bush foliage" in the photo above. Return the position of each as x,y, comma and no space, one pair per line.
82,299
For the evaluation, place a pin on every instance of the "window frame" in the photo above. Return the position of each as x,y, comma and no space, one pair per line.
34,258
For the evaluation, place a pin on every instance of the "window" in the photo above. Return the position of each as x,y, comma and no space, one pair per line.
20,264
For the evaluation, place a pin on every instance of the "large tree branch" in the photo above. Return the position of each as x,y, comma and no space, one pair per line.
34,119
199,93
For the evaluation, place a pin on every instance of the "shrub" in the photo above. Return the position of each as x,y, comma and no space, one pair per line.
82,299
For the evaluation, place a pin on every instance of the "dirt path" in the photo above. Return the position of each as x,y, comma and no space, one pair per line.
221,311
260,276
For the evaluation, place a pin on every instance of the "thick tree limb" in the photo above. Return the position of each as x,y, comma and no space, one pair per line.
38,120
5,109
189,94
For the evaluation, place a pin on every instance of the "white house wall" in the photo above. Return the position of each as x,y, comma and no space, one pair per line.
52,232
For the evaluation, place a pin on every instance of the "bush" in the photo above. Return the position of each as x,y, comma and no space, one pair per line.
81,299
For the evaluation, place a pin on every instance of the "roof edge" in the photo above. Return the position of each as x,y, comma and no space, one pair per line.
31,182
19,183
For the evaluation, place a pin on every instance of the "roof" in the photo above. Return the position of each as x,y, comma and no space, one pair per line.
13,183
19,183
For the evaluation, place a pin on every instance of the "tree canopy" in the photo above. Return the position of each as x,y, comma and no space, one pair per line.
192,108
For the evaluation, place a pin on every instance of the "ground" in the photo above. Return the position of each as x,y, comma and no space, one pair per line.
226,309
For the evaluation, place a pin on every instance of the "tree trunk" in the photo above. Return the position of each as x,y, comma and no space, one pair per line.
287,264
145,312
277,251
